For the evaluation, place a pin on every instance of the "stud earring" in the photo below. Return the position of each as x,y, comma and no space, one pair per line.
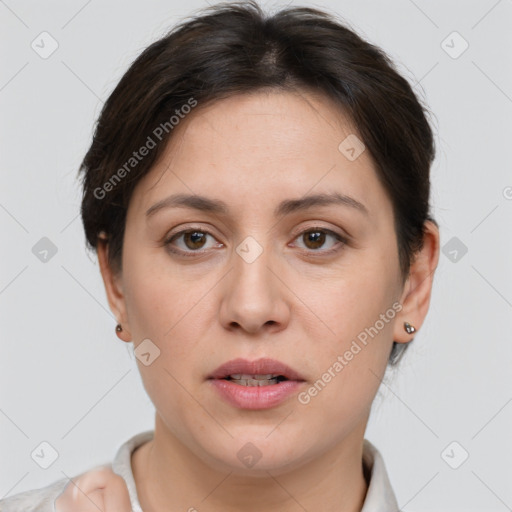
118,328
409,328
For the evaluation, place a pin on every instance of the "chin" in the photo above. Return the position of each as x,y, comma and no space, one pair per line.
255,455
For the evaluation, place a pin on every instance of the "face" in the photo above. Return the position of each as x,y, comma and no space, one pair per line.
304,286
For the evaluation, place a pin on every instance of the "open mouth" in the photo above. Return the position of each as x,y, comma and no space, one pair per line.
259,384
255,380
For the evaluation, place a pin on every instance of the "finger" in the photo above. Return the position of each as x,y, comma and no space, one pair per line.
73,499
85,491
93,501
95,479
116,497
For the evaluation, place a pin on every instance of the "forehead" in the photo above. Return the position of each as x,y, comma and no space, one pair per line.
264,145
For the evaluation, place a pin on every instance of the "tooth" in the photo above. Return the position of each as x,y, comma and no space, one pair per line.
245,376
255,382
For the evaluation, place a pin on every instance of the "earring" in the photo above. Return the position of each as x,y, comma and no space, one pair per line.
409,328
118,328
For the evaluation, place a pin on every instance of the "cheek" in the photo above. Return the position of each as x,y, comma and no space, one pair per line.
157,295
358,314
354,301
163,308
171,309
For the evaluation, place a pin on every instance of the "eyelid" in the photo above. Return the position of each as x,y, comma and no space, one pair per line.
317,225
342,240
169,238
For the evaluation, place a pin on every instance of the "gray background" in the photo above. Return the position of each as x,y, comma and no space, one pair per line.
66,379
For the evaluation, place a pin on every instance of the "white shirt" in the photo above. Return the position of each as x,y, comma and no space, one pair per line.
379,497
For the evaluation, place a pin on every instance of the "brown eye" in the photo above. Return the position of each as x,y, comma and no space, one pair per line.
192,241
315,238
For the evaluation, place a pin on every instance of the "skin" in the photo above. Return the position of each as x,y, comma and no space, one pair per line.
292,304
98,489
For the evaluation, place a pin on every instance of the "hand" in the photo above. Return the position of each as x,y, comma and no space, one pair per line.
97,490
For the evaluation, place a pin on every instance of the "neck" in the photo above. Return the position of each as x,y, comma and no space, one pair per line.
169,477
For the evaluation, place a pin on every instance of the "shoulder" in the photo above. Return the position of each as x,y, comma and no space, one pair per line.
35,500
43,499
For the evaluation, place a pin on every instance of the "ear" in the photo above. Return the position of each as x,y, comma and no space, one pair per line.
417,290
113,287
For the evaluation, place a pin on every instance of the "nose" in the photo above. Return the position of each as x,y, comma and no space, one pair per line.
255,298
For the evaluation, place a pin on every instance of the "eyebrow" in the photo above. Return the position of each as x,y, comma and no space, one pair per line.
216,206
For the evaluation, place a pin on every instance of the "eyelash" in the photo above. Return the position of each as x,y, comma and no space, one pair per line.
343,241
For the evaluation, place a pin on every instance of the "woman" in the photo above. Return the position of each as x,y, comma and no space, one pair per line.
257,191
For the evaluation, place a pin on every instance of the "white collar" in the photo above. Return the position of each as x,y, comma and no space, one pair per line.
379,497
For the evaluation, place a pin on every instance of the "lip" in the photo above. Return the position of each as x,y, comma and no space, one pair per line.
262,366
255,397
